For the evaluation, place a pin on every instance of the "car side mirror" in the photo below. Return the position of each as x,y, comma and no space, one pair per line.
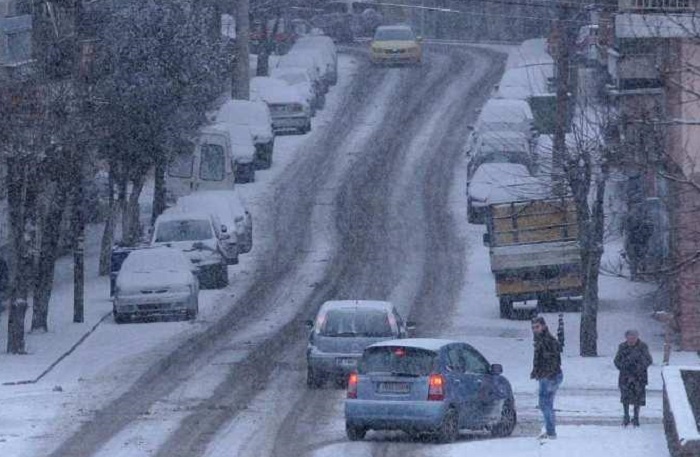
486,239
496,369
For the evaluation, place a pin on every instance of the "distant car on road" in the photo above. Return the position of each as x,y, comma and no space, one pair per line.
395,44
342,330
428,386
155,282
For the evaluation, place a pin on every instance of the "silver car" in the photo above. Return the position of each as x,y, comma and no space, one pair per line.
156,282
342,330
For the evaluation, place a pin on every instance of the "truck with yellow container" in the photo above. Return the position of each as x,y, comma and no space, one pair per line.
534,251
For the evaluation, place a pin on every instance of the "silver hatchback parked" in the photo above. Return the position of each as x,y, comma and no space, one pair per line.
342,330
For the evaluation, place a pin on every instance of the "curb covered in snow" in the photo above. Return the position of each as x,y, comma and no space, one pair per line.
61,357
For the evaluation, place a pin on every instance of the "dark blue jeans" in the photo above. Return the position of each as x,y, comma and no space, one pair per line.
548,388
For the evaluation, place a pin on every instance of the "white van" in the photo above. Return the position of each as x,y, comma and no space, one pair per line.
197,235
230,211
205,164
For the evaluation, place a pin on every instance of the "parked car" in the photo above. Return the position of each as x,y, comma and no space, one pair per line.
290,111
324,45
395,44
155,282
299,79
256,116
230,211
428,386
498,147
500,183
197,235
308,60
242,151
341,331
506,115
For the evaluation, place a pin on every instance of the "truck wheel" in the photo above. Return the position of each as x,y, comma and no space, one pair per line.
506,308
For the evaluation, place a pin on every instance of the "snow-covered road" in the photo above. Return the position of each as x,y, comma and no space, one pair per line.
370,206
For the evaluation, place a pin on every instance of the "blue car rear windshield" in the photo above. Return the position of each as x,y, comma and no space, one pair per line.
398,360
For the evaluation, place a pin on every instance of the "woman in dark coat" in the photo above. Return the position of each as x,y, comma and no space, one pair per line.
632,359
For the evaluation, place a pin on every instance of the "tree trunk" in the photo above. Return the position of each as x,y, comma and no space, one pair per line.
132,224
241,70
159,188
19,260
50,235
108,233
593,252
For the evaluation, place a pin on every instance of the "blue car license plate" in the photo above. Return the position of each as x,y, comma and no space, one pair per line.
394,388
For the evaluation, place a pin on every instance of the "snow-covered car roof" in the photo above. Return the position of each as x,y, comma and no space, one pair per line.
505,110
524,82
348,304
242,144
302,58
211,198
156,258
500,141
505,182
177,214
273,91
253,113
429,344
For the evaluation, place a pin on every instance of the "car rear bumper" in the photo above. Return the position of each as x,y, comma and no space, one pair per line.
395,58
394,415
332,364
167,304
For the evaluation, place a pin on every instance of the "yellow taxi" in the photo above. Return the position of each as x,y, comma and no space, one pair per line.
395,44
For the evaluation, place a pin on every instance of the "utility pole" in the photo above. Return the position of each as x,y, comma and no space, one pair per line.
562,41
240,85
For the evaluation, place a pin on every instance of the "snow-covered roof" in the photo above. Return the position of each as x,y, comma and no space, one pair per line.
214,199
254,114
301,58
429,344
505,110
369,304
505,182
273,91
176,214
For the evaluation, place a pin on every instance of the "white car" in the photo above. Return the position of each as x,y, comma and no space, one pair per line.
498,147
299,79
324,45
500,115
290,111
195,234
256,116
243,150
230,211
500,183
155,282
310,61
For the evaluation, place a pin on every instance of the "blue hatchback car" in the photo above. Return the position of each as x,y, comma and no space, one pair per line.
428,386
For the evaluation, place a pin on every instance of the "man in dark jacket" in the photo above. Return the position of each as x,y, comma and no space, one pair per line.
546,369
632,359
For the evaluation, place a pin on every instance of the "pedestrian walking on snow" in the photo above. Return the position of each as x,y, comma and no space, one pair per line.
632,359
546,369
